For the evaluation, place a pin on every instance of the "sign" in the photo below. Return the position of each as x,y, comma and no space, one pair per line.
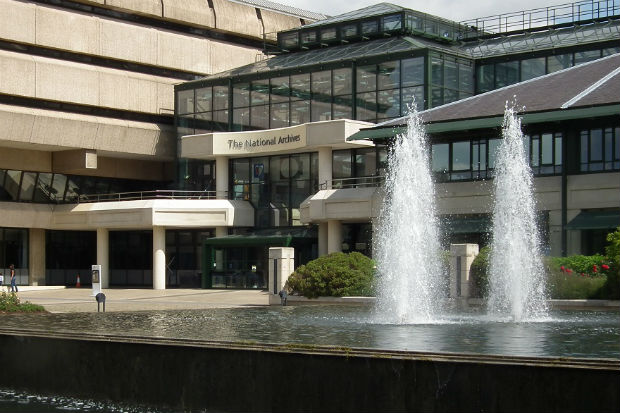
272,140
96,278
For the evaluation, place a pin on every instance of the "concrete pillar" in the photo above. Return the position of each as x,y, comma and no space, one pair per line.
323,230
36,257
103,256
461,258
325,165
221,177
281,266
334,236
159,258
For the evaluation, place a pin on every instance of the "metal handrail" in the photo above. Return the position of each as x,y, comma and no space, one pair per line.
156,194
356,182
563,14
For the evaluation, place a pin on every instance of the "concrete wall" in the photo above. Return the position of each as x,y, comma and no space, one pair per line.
62,29
59,80
185,374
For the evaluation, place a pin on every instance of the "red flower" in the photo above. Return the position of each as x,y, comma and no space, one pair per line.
583,275
568,270
562,268
605,266
594,268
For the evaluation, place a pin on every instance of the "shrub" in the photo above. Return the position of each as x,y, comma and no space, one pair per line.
10,303
562,284
479,273
334,275
612,286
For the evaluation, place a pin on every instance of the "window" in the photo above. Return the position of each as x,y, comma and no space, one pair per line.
531,68
545,151
185,101
391,22
370,27
328,35
506,73
600,149
308,37
348,30
289,40
559,62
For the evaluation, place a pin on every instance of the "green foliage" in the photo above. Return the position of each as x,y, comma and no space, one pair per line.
590,265
562,284
612,287
334,275
10,303
479,273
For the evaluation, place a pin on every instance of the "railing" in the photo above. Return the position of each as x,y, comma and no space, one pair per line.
564,14
157,194
357,182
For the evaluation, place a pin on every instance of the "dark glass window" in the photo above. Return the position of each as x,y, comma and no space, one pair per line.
531,68
545,151
185,101
204,99
391,22
343,81
328,34
241,95
308,37
342,164
370,27
559,62
485,75
280,89
600,149
506,73
348,30
289,40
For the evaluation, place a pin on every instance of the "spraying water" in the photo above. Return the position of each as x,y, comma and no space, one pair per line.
517,283
407,239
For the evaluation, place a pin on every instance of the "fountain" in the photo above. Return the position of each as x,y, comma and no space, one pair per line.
517,277
406,243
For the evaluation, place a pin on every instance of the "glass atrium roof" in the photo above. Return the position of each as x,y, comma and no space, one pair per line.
282,8
546,39
370,11
334,54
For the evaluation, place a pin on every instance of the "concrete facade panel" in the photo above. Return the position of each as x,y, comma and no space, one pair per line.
17,21
66,82
37,161
80,32
195,12
128,42
225,56
17,74
187,52
20,215
275,22
147,7
237,18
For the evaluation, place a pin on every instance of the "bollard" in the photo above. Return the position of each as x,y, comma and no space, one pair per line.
100,299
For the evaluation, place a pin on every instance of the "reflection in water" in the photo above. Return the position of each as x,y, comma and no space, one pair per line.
563,334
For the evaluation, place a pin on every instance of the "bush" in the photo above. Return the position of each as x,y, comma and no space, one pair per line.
562,284
479,273
612,286
334,275
10,303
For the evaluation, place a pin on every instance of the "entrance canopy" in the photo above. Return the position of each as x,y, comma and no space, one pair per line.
595,220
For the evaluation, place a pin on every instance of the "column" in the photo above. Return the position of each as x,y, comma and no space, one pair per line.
325,165
461,258
36,257
323,230
334,236
221,177
103,256
159,258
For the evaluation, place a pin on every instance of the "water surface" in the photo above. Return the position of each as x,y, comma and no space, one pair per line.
590,334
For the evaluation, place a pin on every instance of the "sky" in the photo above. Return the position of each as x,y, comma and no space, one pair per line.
456,10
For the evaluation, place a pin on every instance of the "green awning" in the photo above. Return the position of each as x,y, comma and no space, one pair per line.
250,241
465,224
595,220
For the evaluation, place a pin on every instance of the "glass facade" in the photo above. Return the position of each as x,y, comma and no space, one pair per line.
490,76
43,187
475,158
600,149
275,186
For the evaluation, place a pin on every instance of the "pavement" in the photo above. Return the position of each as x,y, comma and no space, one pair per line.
70,300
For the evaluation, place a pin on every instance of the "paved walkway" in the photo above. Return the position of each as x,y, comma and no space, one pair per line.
68,300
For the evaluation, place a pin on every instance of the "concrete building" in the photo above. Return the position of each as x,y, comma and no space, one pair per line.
102,163
87,107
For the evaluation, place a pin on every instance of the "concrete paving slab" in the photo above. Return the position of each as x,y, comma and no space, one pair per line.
67,300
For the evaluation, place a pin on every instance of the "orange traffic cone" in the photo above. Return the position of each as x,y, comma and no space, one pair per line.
77,283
